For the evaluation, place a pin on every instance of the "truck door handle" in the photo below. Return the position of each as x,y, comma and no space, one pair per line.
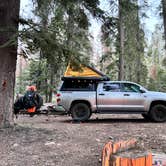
126,94
101,94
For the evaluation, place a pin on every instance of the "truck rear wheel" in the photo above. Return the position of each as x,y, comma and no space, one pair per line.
80,112
158,113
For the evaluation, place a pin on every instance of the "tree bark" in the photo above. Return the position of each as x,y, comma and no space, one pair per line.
164,18
9,18
121,36
46,90
38,82
51,84
20,75
139,48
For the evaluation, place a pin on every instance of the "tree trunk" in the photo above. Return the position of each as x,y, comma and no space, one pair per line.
164,18
51,85
20,75
143,159
138,58
46,90
38,82
9,17
125,153
121,36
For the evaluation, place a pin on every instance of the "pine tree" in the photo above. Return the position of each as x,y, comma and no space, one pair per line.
128,46
61,35
164,17
9,18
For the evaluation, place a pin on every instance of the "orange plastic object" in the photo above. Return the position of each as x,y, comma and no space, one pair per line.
31,110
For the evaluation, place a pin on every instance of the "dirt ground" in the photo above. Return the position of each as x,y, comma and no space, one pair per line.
57,141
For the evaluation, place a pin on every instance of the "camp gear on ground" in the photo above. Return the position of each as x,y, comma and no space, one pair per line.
31,110
29,99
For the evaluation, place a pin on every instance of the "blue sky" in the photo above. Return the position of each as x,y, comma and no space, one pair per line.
153,15
25,8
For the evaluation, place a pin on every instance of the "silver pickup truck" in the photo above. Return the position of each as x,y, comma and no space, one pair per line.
81,98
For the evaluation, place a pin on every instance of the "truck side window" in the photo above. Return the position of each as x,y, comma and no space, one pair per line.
78,85
111,87
127,87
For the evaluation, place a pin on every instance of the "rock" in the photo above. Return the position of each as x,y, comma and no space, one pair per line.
110,137
15,145
49,143
98,140
100,160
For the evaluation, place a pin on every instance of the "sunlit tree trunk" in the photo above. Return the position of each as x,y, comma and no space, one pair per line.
121,37
9,18
138,45
164,18
52,73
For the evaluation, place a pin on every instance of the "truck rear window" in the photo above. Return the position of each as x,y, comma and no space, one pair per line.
78,85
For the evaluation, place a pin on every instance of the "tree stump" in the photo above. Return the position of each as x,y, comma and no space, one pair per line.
125,153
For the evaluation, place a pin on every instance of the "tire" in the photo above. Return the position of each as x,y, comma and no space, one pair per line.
80,112
158,113
146,117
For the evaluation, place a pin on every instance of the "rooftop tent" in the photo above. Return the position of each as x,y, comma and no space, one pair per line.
85,72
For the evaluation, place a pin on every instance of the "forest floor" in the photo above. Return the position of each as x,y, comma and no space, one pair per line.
57,141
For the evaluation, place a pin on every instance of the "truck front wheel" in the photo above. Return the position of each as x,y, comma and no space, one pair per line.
80,112
158,113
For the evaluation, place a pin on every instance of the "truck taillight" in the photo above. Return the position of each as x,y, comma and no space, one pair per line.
58,95
58,100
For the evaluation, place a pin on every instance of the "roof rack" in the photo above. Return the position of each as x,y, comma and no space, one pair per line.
86,78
